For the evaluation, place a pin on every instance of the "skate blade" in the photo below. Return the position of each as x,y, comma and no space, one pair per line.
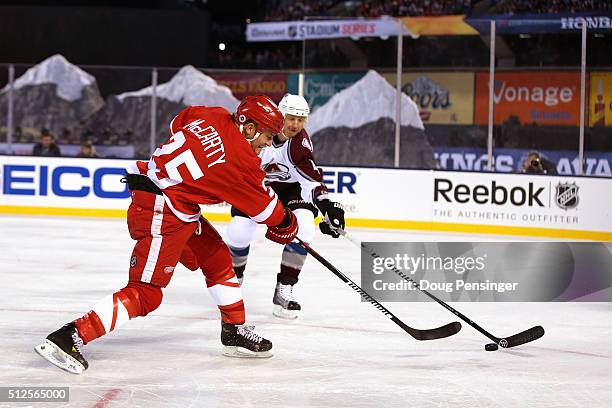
241,352
278,311
59,358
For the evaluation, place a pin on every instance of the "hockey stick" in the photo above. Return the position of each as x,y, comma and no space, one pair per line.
419,334
523,337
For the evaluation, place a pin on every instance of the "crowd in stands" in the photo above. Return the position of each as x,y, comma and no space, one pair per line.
551,6
286,10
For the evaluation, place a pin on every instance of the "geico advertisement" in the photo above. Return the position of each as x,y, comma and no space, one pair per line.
520,200
63,182
96,183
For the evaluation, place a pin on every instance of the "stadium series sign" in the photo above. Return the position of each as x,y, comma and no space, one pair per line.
310,30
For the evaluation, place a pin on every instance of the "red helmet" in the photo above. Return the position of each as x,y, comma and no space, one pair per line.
261,110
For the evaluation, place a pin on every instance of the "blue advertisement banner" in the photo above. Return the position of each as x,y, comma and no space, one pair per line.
543,23
511,160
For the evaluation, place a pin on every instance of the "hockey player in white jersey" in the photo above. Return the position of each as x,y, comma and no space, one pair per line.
293,174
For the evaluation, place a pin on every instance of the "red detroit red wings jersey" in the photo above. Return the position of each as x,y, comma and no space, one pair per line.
207,161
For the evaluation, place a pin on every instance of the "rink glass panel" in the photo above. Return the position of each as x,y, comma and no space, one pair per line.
439,76
536,102
4,78
352,119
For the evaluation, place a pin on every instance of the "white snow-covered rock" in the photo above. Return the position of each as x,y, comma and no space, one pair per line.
367,100
190,87
69,78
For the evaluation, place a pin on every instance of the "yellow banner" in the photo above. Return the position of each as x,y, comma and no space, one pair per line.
440,25
600,99
442,98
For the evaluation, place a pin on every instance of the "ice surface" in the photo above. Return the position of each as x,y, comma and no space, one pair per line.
339,353
69,78
190,87
345,108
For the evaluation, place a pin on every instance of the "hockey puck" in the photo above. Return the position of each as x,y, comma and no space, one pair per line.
491,347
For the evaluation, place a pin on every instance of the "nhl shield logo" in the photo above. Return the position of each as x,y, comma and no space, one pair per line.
566,195
133,261
292,31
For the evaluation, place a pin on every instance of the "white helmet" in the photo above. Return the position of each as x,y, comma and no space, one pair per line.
294,105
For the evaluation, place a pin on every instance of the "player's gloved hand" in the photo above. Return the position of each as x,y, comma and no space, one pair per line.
286,231
334,217
327,230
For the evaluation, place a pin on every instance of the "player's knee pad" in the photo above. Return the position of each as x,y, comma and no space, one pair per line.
144,297
218,267
240,232
306,224
212,253
189,259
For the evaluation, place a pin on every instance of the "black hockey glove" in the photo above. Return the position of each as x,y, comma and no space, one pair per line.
334,217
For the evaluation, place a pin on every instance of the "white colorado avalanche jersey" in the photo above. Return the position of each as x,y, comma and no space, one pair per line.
293,162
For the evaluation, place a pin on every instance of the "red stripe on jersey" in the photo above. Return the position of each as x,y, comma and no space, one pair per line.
114,320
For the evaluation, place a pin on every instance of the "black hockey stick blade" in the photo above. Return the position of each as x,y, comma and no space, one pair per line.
521,338
438,333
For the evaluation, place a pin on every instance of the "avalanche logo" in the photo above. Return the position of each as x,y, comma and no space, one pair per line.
276,172
566,195
307,144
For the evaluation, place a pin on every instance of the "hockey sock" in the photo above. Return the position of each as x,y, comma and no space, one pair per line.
136,299
239,259
225,290
292,262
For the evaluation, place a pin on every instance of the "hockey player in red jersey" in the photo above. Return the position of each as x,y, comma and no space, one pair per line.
292,173
209,158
